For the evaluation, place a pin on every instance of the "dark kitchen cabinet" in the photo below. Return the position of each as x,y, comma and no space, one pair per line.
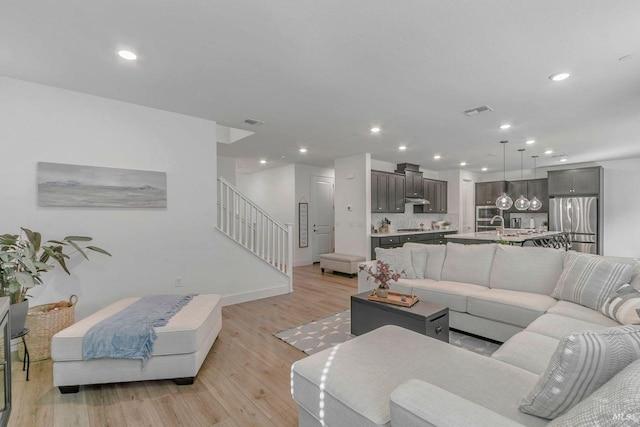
379,192
540,189
413,184
488,192
396,193
387,192
435,192
529,188
575,182
441,193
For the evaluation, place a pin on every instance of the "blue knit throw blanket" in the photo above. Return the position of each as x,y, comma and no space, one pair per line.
130,333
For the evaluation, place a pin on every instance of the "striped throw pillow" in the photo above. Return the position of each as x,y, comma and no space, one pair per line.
589,280
582,362
623,305
615,404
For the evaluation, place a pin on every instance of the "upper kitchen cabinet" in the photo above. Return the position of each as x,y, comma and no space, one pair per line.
575,182
414,185
435,192
529,188
387,192
379,191
540,189
413,180
396,193
488,192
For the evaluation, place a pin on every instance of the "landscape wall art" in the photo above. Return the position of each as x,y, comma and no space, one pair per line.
89,186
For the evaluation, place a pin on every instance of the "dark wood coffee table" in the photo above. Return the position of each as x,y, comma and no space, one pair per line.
424,317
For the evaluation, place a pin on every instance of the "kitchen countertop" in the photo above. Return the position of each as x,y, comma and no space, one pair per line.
510,235
403,233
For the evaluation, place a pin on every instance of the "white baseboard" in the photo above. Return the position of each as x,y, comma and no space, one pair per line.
254,295
302,263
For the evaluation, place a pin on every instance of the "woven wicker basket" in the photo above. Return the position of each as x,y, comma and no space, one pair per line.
43,324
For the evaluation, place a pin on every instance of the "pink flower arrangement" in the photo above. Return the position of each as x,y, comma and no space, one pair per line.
383,274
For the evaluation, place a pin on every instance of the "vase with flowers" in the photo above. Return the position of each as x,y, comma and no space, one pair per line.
382,276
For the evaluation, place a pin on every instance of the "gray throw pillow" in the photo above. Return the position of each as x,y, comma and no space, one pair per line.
399,259
582,362
623,305
615,404
589,280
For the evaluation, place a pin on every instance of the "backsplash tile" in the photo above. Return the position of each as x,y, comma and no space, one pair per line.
410,220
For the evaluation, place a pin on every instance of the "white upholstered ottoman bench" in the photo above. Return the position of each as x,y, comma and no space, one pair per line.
341,263
179,350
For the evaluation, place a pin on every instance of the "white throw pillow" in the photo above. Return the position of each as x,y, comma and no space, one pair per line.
615,404
435,259
399,260
589,280
623,305
526,269
419,260
582,362
468,263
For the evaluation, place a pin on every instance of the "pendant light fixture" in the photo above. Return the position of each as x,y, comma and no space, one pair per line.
504,202
522,203
535,204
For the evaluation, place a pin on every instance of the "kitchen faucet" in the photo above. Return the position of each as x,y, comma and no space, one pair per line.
499,230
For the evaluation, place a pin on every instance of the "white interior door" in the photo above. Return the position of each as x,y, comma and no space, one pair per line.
468,202
321,213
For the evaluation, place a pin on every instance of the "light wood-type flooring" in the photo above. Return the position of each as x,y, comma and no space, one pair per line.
243,382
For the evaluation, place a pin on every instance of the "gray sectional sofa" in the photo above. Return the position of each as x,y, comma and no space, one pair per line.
392,376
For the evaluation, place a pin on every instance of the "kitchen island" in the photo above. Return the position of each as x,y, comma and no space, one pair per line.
510,236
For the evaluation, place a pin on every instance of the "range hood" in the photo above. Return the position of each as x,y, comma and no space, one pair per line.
417,201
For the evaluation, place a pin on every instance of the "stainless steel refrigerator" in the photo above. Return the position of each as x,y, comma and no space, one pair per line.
579,217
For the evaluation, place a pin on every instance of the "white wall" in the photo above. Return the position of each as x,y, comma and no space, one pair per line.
353,204
273,190
227,168
622,208
303,174
150,247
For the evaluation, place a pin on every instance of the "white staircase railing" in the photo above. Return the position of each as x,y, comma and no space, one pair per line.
250,226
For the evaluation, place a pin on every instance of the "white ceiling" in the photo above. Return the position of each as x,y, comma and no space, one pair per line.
321,73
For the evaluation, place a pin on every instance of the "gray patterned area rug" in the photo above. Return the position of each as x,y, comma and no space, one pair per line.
323,333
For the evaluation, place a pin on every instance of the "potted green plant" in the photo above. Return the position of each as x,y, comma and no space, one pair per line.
446,225
23,259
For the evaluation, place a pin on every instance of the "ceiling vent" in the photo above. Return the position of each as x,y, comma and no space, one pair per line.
254,122
478,110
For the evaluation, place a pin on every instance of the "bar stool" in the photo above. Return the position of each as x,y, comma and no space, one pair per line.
27,360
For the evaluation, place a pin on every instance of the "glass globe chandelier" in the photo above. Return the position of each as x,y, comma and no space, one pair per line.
535,204
504,202
522,203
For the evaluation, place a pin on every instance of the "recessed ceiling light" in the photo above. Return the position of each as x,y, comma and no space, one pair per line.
128,55
548,152
375,129
463,163
485,169
531,141
558,77
505,126
402,147
563,160
437,157
263,161
303,150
